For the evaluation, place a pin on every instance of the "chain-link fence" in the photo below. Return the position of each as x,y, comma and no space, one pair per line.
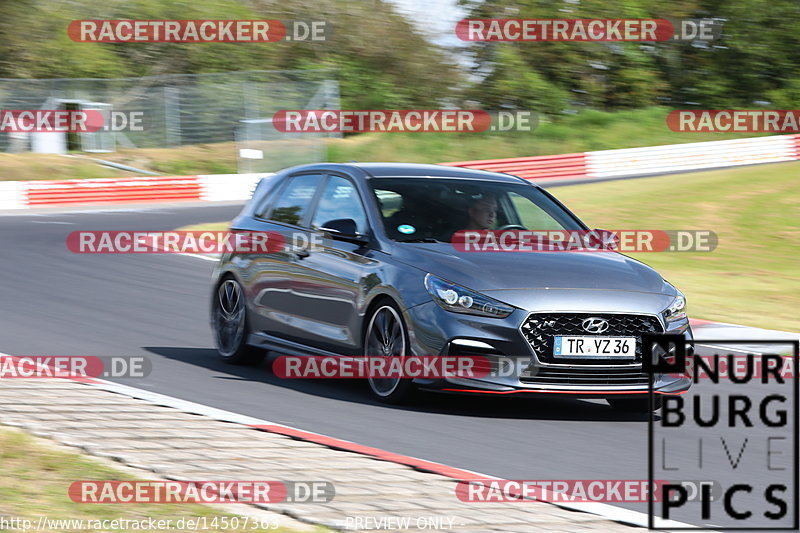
176,110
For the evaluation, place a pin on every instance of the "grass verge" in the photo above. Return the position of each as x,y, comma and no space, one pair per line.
752,277
35,477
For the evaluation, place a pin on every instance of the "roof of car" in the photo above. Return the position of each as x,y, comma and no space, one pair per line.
415,170
380,170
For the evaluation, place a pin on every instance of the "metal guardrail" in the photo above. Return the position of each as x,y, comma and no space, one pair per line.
646,160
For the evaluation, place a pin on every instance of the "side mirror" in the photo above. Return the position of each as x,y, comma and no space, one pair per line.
344,229
604,239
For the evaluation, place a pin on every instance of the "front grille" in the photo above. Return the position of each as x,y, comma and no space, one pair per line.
540,328
584,376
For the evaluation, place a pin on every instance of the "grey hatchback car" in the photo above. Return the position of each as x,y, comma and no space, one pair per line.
385,278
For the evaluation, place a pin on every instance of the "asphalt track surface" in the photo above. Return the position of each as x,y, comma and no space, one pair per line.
55,302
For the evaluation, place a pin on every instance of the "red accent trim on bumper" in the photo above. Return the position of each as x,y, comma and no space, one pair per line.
540,391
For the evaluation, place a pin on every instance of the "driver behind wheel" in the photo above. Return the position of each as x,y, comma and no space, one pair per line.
482,212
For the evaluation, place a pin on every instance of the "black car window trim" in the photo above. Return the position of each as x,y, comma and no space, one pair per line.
328,176
269,202
268,198
311,206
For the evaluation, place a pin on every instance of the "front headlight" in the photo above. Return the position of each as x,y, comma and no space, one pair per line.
459,299
676,310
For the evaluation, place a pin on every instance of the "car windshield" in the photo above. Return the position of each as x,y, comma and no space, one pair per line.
432,209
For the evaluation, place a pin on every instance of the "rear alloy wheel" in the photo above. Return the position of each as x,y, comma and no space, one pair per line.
386,337
635,405
230,325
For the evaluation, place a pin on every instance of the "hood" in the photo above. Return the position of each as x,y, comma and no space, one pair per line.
490,271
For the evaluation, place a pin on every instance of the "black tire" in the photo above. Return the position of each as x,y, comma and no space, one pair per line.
229,312
381,338
635,405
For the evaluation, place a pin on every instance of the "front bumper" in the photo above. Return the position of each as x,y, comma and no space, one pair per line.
515,367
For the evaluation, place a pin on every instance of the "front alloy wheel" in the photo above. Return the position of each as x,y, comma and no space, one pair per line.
386,337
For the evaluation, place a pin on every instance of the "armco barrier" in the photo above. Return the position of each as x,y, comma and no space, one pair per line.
565,166
549,168
646,160
12,195
228,187
104,191
691,156
112,191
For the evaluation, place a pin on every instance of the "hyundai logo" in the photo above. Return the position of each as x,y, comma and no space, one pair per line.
594,324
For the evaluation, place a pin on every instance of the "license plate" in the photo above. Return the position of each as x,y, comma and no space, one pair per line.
595,347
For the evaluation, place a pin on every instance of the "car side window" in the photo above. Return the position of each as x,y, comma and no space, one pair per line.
532,215
340,200
265,203
295,199
390,202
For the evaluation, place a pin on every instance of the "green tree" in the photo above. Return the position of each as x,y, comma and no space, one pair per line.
379,58
755,61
